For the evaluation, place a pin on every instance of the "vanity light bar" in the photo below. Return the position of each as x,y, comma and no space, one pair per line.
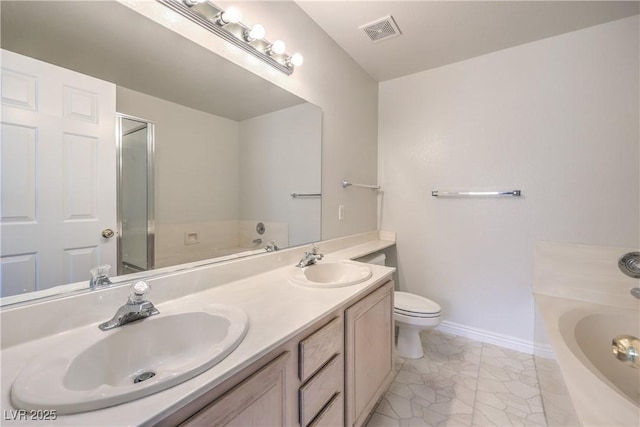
227,25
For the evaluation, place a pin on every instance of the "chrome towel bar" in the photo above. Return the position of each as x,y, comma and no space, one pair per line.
346,184
305,195
510,193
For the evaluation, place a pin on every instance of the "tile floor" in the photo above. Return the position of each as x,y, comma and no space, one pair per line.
462,382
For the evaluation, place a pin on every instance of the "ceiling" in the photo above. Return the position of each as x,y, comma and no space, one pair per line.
436,33
137,54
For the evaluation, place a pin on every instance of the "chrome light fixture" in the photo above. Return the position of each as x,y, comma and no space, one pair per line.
257,32
226,24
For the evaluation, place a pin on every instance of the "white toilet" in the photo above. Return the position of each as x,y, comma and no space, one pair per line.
412,314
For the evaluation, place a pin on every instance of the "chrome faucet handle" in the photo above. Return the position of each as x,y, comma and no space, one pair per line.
138,291
100,276
315,248
629,264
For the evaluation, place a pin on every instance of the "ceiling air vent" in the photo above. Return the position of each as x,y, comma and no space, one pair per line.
382,29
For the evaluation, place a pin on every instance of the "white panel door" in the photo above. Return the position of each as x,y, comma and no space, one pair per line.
58,172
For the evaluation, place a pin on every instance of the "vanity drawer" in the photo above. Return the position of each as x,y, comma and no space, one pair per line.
332,415
319,347
316,393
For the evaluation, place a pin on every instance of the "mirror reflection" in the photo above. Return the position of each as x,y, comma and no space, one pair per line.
202,166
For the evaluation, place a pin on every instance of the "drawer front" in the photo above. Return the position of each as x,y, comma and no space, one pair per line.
332,415
259,400
319,347
316,393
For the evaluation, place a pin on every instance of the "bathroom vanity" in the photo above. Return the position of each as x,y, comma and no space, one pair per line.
311,356
334,370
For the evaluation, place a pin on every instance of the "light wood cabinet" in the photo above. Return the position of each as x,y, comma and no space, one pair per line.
368,353
319,390
321,346
330,374
321,369
260,400
332,415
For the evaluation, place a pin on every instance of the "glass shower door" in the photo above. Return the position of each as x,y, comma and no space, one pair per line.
135,196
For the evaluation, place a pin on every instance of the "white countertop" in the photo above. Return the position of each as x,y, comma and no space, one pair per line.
277,311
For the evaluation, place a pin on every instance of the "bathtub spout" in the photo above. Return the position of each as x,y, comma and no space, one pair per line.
626,348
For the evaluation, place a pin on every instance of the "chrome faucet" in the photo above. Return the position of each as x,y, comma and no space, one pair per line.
136,308
99,276
310,258
626,348
271,247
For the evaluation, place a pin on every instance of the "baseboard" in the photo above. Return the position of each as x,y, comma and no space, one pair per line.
501,340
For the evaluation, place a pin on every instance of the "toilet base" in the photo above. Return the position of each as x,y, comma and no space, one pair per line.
409,345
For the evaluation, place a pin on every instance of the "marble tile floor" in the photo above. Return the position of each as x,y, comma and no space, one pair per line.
462,382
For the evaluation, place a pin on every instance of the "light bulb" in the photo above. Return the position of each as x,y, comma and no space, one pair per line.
295,60
257,32
229,16
193,2
276,48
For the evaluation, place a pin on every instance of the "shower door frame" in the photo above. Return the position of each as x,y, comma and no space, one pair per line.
150,189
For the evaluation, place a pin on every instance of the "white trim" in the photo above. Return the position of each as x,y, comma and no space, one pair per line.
501,340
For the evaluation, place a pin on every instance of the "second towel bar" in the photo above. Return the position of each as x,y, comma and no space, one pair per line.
512,193
305,195
346,184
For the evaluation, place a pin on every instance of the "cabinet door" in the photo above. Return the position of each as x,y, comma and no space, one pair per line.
257,401
368,353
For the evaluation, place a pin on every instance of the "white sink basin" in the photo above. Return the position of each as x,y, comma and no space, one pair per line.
92,369
331,274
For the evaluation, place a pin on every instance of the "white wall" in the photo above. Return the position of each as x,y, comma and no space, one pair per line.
279,153
196,174
329,79
196,158
556,118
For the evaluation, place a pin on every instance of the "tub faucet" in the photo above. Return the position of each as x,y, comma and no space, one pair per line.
271,247
626,348
311,257
136,308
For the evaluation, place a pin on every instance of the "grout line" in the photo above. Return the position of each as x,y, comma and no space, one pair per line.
475,392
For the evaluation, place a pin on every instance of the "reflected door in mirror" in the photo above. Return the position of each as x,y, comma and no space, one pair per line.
58,175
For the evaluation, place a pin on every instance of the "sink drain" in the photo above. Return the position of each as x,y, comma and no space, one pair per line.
144,376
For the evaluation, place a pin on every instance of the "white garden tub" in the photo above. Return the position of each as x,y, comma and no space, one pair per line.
604,391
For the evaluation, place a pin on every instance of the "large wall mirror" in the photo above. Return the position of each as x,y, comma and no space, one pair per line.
221,150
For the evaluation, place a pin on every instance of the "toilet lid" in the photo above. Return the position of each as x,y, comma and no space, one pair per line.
411,303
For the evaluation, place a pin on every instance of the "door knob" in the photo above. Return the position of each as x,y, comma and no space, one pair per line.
107,233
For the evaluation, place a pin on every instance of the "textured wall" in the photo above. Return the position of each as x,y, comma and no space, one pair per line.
266,180
558,119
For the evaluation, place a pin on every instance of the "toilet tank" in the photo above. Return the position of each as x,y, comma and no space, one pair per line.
377,258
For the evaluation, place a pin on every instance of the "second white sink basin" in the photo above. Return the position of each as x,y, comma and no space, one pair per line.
331,274
93,369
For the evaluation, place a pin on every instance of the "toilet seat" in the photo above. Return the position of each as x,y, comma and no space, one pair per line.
412,305
413,314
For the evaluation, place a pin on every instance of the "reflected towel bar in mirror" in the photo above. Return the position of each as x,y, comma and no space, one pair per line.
346,184
305,195
511,193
